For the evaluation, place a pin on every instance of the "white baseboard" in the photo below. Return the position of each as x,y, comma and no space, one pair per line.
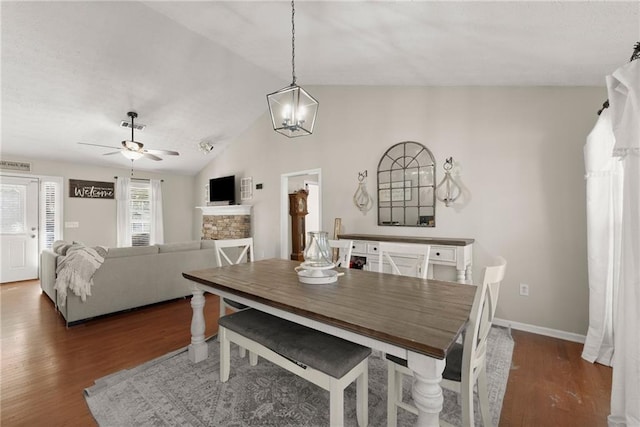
555,333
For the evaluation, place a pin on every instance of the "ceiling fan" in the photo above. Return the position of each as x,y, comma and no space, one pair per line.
133,149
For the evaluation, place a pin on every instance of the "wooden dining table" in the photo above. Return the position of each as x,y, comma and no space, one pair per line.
415,319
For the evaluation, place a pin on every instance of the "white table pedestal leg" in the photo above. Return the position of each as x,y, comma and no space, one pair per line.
198,350
460,276
426,391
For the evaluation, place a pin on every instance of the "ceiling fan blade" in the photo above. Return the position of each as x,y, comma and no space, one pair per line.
167,152
151,156
98,145
113,152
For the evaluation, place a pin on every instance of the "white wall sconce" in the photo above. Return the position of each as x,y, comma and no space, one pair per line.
448,190
361,198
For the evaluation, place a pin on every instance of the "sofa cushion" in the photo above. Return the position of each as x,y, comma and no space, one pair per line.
131,251
100,250
178,247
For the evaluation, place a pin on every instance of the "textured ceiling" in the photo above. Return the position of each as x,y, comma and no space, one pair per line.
199,71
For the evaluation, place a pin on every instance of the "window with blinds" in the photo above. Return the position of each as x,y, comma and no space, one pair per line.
140,211
50,222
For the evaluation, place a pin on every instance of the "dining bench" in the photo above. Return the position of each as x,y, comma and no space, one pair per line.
325,360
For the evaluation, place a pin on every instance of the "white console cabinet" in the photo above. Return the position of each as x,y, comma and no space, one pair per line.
455,253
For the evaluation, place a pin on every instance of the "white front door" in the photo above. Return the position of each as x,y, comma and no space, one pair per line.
19,229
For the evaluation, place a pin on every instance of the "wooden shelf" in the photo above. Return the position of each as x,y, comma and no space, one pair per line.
408,239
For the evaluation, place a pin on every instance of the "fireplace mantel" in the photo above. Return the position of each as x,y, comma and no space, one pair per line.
225,210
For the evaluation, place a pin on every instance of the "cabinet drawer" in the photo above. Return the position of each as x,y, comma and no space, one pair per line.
372,248
442,253
359,248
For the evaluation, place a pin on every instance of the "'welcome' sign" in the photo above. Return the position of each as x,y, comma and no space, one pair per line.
91,189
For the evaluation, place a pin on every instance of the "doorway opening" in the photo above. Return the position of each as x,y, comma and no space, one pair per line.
289,183
312,220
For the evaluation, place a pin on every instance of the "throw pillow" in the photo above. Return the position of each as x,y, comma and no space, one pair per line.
60,247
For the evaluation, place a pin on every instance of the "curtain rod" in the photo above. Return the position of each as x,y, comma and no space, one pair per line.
635,55
139,179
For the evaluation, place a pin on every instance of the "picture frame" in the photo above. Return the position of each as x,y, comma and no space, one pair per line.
83,189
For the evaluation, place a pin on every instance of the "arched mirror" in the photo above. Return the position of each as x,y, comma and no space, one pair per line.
406,186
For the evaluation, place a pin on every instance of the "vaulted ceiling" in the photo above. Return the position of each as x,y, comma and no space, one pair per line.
200,71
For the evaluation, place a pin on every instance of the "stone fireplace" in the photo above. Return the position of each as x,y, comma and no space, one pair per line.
225,222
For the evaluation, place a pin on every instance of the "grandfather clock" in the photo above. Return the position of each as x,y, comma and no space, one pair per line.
298,210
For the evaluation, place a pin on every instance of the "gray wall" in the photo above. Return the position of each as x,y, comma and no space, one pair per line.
97,218
518,153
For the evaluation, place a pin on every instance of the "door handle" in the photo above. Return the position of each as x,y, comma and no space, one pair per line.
33,236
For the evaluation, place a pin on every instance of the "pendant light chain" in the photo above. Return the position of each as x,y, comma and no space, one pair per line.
293,43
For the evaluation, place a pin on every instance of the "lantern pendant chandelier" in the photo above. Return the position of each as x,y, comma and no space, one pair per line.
293,111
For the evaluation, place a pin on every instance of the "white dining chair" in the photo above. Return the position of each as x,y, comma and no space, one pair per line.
231,252
414,256
344,248
244,246
494,282
465,363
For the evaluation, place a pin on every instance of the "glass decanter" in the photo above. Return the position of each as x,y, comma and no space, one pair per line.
317,251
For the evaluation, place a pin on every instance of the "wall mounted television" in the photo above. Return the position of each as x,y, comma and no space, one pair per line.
223,190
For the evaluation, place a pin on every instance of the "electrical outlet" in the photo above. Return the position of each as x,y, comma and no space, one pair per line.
524,289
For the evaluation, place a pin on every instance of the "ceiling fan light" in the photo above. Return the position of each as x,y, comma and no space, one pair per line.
132,155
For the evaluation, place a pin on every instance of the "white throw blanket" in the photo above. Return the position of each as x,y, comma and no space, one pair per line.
75,271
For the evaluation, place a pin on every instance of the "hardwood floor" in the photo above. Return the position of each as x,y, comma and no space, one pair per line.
551,385
46,366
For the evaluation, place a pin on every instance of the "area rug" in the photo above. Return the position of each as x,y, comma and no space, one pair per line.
172,391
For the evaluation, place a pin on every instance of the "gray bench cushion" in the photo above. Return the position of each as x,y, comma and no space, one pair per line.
453,368
323,352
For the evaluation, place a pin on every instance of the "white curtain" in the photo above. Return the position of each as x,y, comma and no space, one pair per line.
123,216
604,217
157,227
624,98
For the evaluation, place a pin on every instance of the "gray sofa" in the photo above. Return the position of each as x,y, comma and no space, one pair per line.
131,277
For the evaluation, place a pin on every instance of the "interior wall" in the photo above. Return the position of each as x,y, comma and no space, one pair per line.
518,154
97,217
